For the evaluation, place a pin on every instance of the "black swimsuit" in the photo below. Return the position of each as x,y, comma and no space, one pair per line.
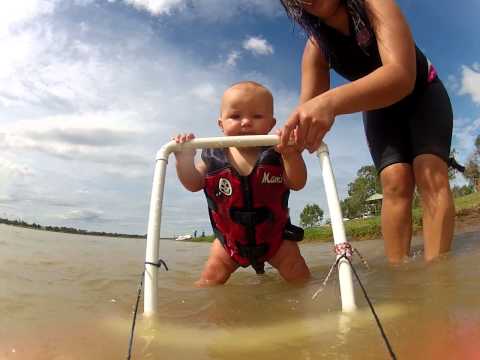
420,123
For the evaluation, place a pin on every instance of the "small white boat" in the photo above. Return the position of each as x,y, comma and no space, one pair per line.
184,237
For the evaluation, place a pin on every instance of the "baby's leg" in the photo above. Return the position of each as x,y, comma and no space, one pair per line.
218,268
290,263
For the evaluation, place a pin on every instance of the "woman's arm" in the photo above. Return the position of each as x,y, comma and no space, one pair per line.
315,81
315,72
386,85
395,79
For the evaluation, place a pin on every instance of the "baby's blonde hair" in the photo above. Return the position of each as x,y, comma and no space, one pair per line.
252,85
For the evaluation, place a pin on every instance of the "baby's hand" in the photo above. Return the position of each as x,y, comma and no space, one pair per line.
183,138
291,147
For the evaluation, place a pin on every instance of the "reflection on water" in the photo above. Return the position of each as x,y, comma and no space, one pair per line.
71,297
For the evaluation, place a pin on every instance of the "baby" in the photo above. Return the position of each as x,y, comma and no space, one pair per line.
247,191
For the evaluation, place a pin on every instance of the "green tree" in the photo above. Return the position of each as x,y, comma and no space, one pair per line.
311,215
472,167
365,185
452,172
462,190
472,173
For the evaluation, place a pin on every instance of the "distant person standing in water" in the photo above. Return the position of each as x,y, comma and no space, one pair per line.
247,191
406,110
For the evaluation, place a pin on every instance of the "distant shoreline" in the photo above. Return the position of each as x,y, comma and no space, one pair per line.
467,215
67,230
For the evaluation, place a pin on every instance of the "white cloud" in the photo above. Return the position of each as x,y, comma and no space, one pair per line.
465,132
11,172
466,129
233,57
452,83
471,82
17,12
84,107
206,92
158,7
13,169
102,138
258,46
218,10
44,66
84,215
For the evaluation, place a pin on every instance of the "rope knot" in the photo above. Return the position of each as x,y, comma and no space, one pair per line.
158,264
344,249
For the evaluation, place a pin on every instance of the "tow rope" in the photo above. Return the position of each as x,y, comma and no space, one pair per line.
139,294
345,251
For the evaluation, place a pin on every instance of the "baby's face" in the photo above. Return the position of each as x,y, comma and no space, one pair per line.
246,110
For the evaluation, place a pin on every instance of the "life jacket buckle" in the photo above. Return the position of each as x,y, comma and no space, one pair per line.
253,253
250,218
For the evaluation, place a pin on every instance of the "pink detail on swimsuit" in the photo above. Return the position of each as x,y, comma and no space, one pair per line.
363,37
432,73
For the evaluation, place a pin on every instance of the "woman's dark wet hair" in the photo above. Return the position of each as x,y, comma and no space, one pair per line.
313,26
295,11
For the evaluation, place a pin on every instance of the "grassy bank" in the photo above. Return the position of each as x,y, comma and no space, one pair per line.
203,239
366,229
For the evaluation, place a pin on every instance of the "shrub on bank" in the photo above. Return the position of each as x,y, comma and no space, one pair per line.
370,228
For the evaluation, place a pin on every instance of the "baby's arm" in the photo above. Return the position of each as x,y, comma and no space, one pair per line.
295,170
191,175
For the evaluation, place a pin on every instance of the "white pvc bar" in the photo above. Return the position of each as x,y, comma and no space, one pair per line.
219,142
344,271
156,201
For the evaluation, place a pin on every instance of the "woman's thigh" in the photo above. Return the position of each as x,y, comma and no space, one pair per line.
388,137
431,122
419,124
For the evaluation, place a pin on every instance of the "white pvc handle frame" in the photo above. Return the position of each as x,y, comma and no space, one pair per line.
154,219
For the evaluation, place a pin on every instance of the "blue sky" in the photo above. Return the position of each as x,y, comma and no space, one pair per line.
91,89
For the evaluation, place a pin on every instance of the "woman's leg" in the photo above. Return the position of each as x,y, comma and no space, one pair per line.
431,177
290,263
398,187
218,267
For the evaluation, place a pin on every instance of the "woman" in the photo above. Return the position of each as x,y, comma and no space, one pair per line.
406,110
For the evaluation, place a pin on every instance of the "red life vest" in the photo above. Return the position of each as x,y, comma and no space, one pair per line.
249,214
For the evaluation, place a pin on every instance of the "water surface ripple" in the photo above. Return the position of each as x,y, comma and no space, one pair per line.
71,297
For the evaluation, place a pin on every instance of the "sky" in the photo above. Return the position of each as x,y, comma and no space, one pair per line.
91,89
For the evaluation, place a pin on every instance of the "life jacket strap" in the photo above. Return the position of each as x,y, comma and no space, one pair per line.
292,232
253,253
250,218
259,268
211,204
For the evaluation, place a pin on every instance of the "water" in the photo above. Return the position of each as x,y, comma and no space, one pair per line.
71,297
